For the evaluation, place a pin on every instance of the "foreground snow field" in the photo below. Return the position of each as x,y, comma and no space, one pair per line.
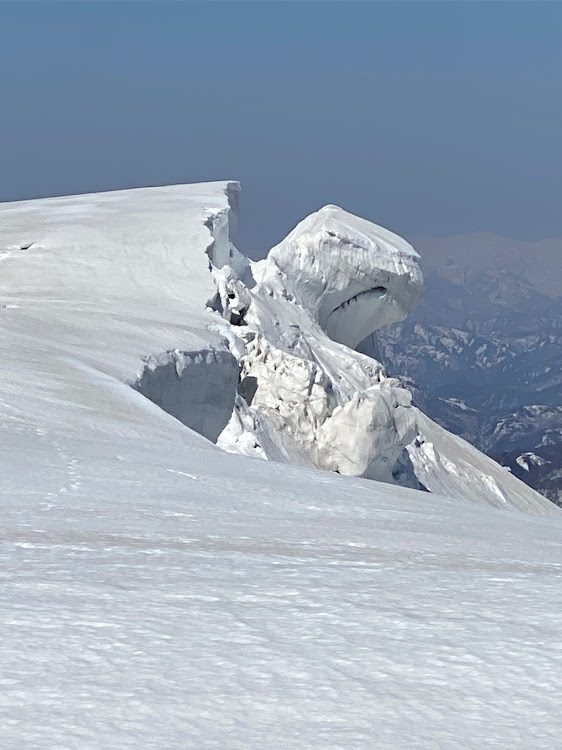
159,593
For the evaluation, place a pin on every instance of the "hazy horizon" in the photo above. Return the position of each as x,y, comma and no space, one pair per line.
432,119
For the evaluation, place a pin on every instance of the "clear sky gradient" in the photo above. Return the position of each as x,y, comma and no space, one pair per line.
430,118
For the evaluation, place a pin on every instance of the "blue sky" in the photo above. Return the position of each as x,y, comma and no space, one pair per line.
430,118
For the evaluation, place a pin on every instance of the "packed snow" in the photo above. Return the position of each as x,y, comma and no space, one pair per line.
158,592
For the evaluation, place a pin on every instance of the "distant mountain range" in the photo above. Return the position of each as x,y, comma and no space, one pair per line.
482,352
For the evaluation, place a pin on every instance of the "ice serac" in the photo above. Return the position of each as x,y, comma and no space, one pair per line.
352,276
306,398
312,390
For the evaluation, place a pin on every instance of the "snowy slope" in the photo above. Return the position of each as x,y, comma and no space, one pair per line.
100,282
158,592
482,353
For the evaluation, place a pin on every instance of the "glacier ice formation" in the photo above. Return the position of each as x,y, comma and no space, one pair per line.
302,324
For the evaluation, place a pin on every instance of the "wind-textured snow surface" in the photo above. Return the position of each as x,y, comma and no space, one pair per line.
159,593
